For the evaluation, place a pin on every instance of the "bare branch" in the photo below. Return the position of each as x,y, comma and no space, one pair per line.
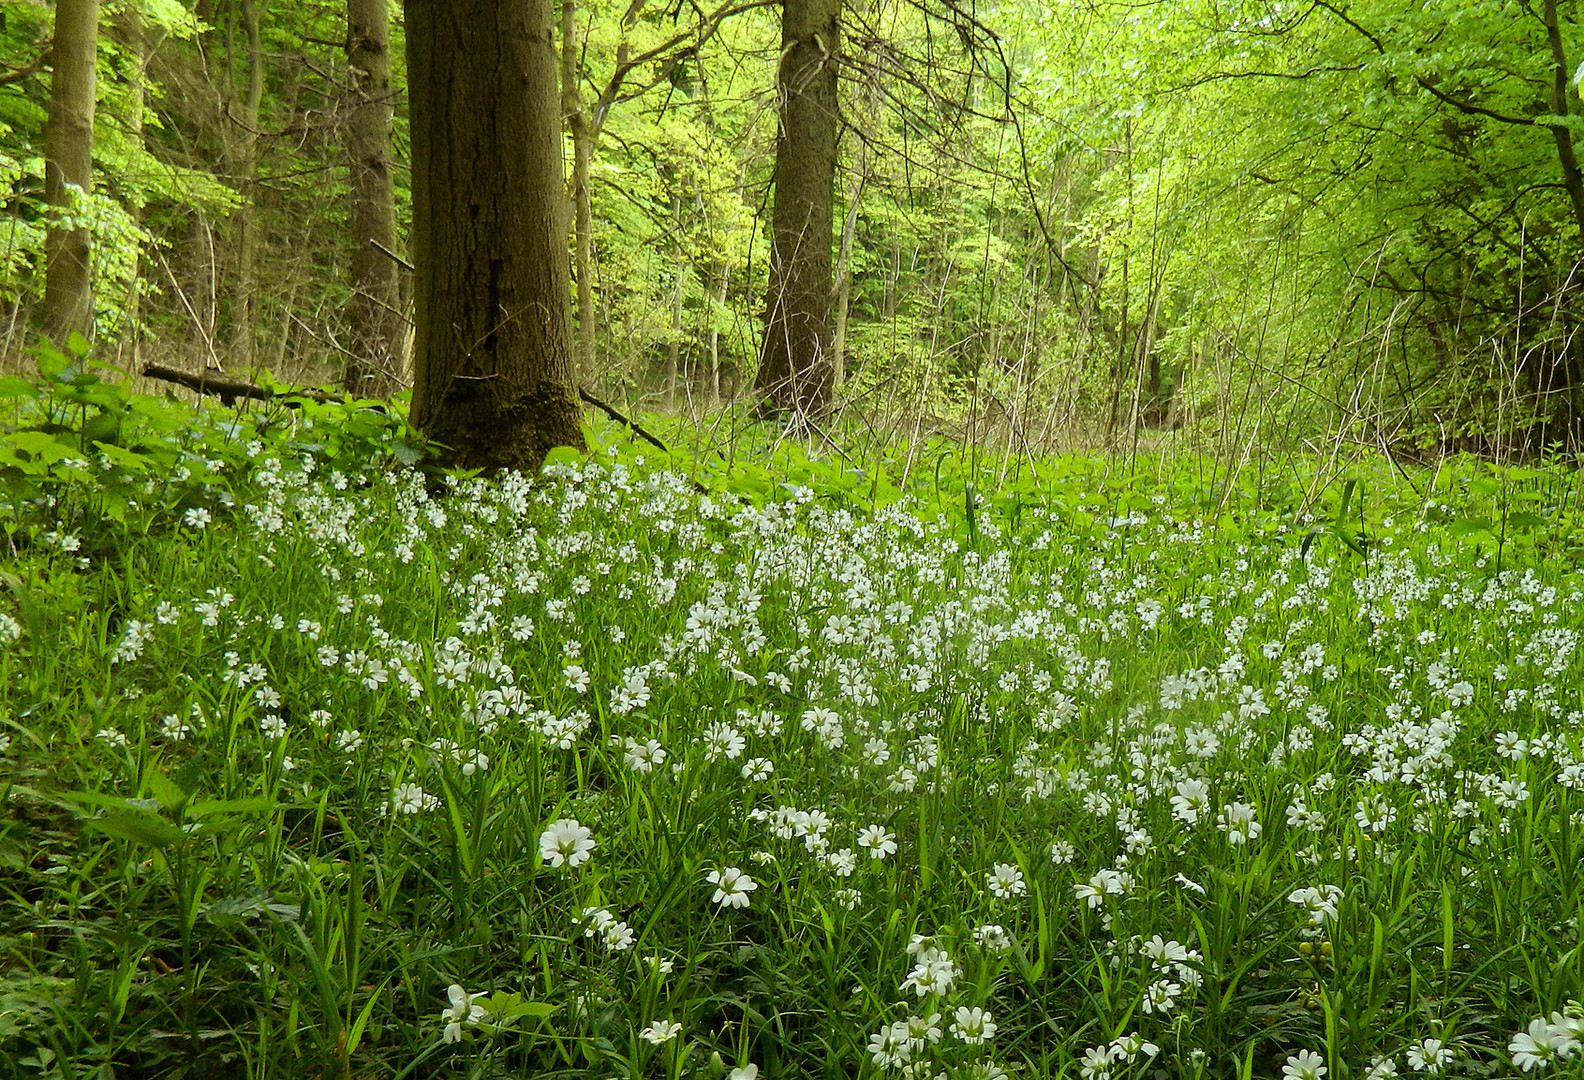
1471,108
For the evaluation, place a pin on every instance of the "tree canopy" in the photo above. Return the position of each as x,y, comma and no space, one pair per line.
1084,217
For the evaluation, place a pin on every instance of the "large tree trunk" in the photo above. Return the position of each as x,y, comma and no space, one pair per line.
375,366
68,163
794,361
492,358
579,191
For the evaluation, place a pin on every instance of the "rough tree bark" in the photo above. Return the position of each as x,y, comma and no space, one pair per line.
578,190
492,357
375,366
68,163
794,359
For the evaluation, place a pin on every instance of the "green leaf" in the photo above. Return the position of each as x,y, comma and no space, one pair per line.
41,446
168,792
257,804
1470,526
406,453
231,910
138,826
14,386
562,455
127,459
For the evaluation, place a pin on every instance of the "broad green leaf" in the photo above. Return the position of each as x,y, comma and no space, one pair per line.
138,826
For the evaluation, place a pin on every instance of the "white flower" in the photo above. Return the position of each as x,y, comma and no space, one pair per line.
461,1010
407,799
1543,1042
994,937
1094,891
642,757
842,863
922,1031
196,517
934,973
1096,1064
746,1072
1163,954
878,842
1160,996
1237,821
723,740
1006,880
1131,1046
1304,1065
1192,797
661,1031
732,887
888,1047
1429,1055
1534,1048
973,1025
1381,1068
1320,903
566,843
1062,852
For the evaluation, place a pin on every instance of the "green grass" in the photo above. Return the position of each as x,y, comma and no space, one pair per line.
278,773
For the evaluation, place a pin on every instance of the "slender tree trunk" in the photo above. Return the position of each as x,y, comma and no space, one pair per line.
243,140
844,280
722,284
580,192
860,176
674,346
68,165
492,358
376,365
126,27
794,360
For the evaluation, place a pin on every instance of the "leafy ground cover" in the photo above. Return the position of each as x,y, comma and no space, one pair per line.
316,766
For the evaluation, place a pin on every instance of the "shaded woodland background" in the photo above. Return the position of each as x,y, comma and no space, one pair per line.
1088,222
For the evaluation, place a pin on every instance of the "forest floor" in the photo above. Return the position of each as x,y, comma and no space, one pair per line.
791,767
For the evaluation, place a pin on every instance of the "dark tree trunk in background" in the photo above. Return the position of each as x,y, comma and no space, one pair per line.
1567,372
493,377
68,163
376,365
795,364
